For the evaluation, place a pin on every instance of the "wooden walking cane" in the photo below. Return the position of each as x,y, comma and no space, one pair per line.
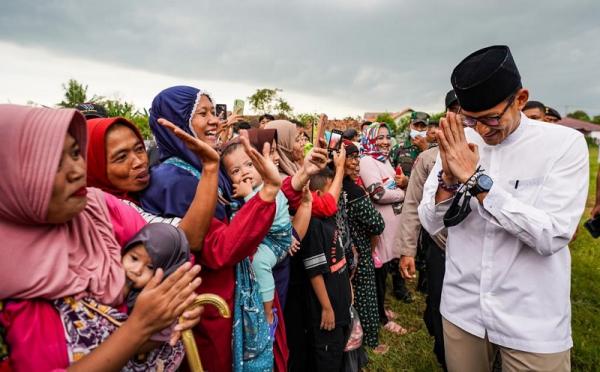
189,343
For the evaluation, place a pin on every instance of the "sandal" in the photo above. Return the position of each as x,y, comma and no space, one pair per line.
395,328
390,314
381,349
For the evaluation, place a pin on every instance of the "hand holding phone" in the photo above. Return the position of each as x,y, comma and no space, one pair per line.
323,120
335,140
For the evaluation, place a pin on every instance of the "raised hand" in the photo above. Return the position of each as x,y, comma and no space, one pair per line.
315,161
207,155
265,167
459,158
339,158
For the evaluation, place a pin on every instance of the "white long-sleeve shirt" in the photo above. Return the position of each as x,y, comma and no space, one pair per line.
508,267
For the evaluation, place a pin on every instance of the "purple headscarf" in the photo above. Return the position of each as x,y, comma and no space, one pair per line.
167,247
173,184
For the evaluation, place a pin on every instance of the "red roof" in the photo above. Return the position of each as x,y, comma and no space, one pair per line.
584,126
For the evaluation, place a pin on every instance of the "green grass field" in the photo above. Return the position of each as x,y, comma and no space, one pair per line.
413,352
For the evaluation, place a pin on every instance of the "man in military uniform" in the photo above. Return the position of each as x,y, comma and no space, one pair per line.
552,116
403,155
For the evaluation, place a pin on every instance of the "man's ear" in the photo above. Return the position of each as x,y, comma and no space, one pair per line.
521,98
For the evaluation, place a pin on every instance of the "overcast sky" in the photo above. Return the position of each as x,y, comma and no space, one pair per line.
342,57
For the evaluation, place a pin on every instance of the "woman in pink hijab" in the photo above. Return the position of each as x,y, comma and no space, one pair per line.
61,239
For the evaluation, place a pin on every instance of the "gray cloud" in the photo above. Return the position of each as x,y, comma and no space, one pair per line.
379,55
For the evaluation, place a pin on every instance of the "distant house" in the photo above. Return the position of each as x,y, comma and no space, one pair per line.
585,127
372,116
343,124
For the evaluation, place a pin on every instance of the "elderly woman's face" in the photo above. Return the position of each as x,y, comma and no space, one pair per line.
69,195
352,166
126,160
204,121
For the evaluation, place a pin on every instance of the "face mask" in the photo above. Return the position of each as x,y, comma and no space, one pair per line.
417,133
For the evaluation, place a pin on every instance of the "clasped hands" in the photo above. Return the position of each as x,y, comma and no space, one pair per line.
459,158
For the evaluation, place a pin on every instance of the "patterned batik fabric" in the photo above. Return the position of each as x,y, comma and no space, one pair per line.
341,220
364,221
252,346
87,324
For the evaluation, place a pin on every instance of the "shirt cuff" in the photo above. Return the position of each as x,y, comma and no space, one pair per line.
434,220
495,200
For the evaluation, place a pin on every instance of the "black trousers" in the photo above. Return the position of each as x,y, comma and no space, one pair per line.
398,283
297,328
436,267
327,348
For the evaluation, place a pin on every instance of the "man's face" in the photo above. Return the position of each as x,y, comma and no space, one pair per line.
420,126
534,113
508,122
551,119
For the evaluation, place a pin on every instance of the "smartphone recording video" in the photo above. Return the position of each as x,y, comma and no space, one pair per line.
238,107
335,140
221,111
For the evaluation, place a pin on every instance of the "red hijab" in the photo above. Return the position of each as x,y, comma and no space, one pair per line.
96,155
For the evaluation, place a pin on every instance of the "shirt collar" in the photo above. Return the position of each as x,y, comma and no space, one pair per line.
517,133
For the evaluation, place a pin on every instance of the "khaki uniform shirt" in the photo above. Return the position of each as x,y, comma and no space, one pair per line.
410,226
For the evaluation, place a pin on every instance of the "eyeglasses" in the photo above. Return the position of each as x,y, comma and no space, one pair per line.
353,157
490,121
379,138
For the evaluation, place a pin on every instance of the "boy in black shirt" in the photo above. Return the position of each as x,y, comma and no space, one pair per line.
327,285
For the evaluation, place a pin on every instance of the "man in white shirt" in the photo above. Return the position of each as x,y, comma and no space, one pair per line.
507,281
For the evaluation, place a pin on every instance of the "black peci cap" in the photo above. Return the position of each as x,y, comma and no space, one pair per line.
485,78
349,133
451,98
552,112
91,110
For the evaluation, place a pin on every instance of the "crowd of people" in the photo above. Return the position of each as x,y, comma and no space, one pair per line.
108,239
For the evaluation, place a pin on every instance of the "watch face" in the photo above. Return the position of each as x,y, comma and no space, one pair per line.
485,182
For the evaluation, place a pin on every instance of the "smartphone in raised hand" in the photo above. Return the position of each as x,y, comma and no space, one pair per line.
221,111
238,107
335,141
